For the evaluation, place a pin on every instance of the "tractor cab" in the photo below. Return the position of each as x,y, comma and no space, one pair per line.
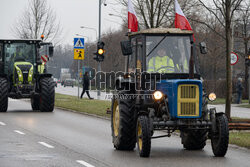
168,51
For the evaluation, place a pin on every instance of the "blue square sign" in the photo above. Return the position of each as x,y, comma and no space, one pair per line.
78,43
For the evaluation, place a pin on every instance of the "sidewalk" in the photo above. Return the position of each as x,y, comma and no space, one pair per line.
235,110
74,92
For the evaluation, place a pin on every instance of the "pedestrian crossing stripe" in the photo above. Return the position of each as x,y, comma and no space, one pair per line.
79,43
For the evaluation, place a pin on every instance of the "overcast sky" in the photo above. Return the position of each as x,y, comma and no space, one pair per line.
71,13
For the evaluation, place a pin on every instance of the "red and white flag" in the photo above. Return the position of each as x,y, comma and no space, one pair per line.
132,19
180,19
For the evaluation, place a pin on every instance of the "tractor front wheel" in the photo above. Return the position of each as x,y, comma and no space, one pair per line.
143,136
220,137
47,95
35,102
3,95
123,124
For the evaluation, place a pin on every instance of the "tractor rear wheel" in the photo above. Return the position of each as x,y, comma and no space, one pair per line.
143,136
220,138
3,95
194,140
123,124
47,95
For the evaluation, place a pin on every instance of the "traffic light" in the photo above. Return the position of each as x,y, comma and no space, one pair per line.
100,52
248,58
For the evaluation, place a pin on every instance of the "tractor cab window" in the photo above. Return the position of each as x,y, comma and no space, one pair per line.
168,54
18,52
132,57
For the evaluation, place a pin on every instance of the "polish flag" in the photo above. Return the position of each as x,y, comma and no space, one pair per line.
180,19
132,19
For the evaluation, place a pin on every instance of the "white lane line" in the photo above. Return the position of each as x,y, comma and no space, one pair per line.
45,144
19,132
84,163
2,123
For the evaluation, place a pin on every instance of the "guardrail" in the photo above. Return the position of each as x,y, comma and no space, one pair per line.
240,124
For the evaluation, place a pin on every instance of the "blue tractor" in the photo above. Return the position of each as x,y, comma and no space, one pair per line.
162,90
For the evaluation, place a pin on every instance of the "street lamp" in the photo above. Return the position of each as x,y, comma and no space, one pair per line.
90,28
111,14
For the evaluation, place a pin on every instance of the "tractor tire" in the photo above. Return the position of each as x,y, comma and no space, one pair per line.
3,95
35,103
220,138
194,140
123,124
143,136
47,95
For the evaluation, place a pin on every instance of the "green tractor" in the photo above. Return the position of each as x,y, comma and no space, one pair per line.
163,90
23,75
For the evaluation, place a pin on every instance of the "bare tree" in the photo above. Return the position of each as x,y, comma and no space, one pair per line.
37,19
242,34
223,11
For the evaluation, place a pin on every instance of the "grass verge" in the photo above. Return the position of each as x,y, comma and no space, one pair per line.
223,101
96,107
241,139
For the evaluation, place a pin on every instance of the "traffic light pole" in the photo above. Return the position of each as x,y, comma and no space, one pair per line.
99,39
78,75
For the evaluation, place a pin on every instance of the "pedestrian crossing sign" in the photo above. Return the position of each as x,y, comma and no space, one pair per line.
78,43
78,54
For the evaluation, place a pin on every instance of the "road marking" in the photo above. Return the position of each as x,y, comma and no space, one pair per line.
45,144
84,163
2,123
19,132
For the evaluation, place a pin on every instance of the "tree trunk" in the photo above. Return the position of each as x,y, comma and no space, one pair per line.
228,65
246,70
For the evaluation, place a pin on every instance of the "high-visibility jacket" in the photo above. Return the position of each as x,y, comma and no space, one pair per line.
155,63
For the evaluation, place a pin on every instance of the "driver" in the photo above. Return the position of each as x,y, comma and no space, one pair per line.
161,63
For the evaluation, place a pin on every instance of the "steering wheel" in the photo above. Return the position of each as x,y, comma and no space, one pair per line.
166,68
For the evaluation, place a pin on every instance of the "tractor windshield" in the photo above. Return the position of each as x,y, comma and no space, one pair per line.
168,54
18,52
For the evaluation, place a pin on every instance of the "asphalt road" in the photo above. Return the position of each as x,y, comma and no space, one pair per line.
63,138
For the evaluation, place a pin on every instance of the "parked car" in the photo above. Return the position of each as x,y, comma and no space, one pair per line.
69,82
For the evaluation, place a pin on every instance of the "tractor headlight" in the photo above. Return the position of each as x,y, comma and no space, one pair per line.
212,96
158,95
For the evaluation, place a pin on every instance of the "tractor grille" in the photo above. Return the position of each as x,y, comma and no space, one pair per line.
188,100
25,70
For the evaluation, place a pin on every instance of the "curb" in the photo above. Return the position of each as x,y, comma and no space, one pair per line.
83,113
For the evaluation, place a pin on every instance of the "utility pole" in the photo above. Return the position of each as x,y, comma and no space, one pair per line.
99,40
228,58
